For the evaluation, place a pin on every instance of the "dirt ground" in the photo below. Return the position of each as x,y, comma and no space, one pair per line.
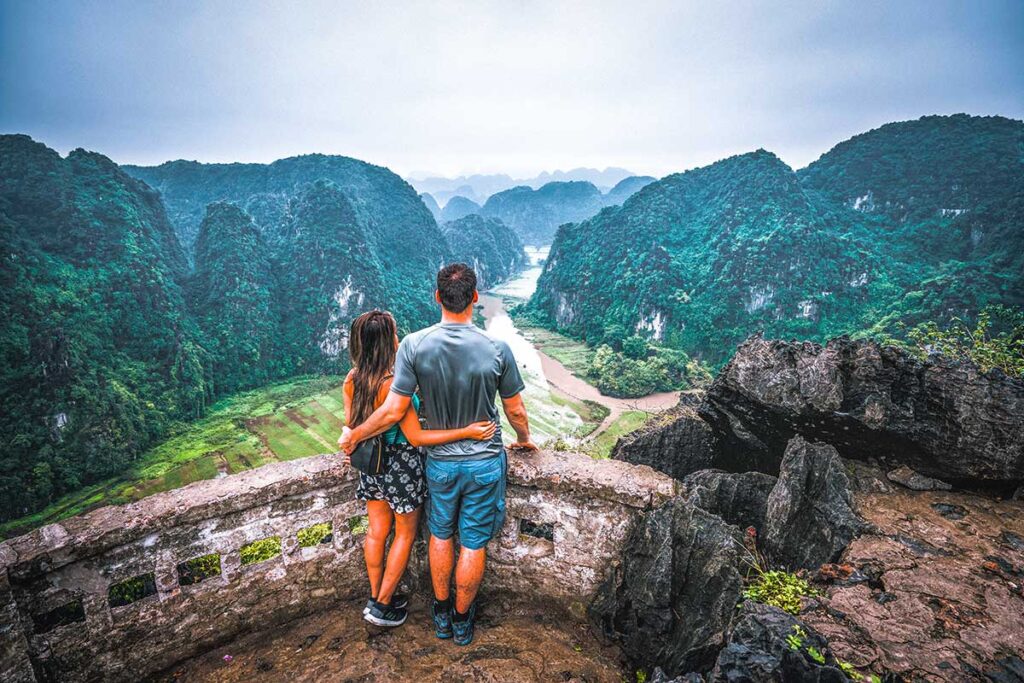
520,644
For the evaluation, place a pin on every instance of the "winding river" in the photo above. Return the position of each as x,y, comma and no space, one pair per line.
549,384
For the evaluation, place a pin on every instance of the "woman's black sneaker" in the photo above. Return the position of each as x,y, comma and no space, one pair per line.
386,615
397,600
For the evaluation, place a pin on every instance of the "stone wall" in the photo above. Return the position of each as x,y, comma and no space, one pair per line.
60,619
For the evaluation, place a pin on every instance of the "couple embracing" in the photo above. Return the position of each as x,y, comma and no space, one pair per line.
457,369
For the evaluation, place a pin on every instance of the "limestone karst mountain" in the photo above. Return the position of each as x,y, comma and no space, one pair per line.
915,221
495,251
536,214
431,204
626,188
458,207
99,351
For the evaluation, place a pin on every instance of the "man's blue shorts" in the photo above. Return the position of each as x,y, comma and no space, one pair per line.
470,494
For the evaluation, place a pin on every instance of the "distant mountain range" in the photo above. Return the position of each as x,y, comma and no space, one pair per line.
535,214
479,188
920,220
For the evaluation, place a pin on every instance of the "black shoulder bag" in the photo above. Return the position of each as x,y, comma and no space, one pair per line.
371,456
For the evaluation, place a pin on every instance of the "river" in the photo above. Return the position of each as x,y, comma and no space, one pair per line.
550,386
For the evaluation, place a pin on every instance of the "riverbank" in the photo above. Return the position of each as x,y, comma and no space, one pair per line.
563,379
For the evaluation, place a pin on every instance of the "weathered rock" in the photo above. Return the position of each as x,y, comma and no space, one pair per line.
683,445
904,476
810,517
738,498
659,676
758,650
671,601
942,418
867,477
934,609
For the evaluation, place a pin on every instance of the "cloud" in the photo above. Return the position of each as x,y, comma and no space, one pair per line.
498,86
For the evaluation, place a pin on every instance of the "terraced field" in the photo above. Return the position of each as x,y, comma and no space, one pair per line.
283,421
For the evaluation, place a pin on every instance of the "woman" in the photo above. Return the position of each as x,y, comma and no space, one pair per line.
397,494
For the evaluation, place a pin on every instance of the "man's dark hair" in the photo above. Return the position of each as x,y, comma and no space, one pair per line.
456,283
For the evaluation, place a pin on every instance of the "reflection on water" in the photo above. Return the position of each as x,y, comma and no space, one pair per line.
522,286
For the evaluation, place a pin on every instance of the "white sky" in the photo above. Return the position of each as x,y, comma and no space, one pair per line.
516,87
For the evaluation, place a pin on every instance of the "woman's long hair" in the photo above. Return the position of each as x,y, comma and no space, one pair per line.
371,345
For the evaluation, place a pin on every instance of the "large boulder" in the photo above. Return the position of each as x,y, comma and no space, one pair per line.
810,518
683,444
672,599
738,498
768,644
945,419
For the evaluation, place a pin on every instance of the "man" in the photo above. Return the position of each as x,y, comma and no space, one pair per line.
458,369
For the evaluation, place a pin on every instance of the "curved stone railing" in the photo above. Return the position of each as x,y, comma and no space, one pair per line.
122,592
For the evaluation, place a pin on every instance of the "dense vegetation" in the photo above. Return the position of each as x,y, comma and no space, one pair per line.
536,214
99,354
233,296
487,244
109,338
915,221
994,341
432,207
626,188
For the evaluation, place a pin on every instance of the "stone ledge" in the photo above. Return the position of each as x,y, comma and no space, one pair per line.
637,486
93,533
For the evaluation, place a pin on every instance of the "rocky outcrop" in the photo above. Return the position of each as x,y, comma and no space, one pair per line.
810,518
944,419
930,596
682,446
738,498
671,601
768,644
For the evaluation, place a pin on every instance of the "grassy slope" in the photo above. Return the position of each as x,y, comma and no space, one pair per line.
281,421
601,446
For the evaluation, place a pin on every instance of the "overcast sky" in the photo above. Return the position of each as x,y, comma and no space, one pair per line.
515,87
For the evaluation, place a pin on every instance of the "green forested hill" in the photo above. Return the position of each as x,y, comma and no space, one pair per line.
626,188
392,216
111,333
917,220
536,214
456,208
98,351
495,252
943,198
234,296
698,259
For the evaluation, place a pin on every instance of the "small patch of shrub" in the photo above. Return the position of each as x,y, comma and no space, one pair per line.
198,568
779,589
315,534
262,550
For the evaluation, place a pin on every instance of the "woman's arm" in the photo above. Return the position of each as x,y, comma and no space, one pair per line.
346,397
417,436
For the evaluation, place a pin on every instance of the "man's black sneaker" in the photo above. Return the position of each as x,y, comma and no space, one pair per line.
386,615
442,621
397,600
464,629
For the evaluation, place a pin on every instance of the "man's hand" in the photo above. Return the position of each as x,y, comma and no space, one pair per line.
345,443
527,445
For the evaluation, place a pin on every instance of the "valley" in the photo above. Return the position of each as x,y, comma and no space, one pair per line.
140,301
552,386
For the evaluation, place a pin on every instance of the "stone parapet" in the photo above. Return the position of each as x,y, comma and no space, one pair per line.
112,594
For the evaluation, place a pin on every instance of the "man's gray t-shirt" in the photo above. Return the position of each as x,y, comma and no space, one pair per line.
458,368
